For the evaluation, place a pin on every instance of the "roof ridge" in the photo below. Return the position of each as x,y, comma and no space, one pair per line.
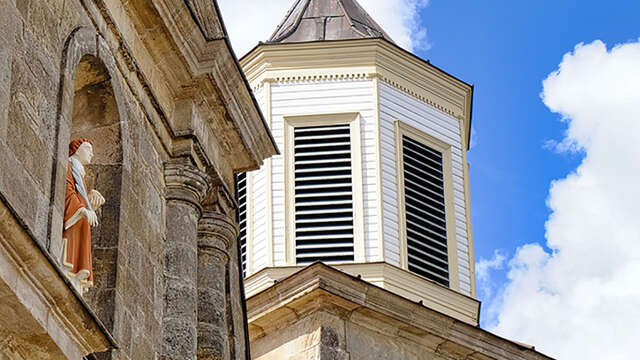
286,17
377,28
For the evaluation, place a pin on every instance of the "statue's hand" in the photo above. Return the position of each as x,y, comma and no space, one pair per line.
96,199
91,216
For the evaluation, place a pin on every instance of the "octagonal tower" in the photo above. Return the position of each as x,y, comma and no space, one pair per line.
372,178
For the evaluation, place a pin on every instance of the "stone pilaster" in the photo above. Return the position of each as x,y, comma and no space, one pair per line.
186,187
217,233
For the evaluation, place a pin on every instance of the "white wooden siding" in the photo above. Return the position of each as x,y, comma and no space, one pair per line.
322,97
397,105
258,233
260,210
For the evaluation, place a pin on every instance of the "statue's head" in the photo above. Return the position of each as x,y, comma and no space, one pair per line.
81,149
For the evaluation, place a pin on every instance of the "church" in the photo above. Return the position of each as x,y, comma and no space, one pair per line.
162,199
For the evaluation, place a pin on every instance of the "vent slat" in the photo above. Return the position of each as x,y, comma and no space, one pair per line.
312,221
328,194
312,171
323,194
324,246
325,254
321,145
322,203
302,237
327,227
324,153
425,211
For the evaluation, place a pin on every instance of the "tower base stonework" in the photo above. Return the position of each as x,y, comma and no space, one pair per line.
322,313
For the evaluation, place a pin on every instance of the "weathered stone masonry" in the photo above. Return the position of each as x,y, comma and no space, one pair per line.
155,85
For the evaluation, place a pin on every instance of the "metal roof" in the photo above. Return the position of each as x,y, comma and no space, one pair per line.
317,20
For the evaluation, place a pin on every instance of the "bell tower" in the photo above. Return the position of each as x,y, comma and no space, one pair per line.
372,178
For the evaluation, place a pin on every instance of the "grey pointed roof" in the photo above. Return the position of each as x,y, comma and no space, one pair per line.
317,20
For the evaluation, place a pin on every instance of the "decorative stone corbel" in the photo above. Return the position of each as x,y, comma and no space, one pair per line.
216,231
185,182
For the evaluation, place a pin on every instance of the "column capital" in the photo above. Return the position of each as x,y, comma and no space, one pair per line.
185,182
216,230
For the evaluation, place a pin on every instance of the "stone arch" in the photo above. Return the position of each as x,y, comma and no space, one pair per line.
91,105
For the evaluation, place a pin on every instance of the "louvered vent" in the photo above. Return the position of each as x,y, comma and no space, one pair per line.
323,194
425,211
241,193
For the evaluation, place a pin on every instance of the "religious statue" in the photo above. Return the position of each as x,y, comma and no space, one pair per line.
80,208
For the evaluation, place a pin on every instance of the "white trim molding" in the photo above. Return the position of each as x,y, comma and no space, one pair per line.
349,59
290,122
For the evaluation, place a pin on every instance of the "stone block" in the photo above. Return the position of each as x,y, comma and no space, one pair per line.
9,24
182,220
212,343
180,340
180,301
134,259
18,189
23,7
4,113
123,327
142,348
212,269
24,125
212,307
158,294
146,276
107,233
104,267
43,21
102,301
180,262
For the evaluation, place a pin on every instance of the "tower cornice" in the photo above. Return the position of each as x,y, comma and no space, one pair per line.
362,58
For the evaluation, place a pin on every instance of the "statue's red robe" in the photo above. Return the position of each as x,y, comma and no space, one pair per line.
77,237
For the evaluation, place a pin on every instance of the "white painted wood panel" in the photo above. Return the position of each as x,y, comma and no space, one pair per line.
397,105
258,233
323,97
315,97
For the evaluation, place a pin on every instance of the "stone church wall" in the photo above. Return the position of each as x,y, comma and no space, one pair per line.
83,68
35,131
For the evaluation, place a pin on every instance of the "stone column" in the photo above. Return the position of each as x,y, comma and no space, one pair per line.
217,232
186,187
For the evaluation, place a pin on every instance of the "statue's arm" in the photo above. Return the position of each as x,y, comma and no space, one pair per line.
72,202
74,208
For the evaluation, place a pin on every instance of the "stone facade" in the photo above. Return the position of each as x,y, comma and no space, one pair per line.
322,313
156,86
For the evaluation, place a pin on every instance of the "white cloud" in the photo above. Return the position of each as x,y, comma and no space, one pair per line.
582,299
251,21
483,273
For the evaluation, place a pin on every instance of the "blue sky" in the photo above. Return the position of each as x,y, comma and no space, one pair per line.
506,49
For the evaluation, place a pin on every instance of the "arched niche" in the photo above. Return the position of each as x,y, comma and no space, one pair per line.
92,106
95,116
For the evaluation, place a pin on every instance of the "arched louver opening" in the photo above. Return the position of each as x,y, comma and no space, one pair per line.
323,194
241,194
425,211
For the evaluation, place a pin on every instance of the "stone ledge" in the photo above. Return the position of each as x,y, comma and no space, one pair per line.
392,278
42,316
337,300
